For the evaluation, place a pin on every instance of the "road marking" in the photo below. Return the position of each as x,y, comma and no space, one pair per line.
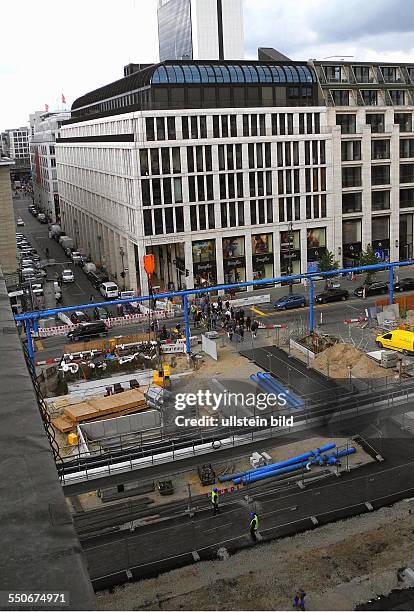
259,312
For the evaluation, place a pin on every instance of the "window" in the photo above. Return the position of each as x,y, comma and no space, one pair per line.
340,97
397,97
347,123
221,157
380,175
351,202
370,97
376,121
224,126
155,164
239,157
223,213
203,126
190,159
199,159
351,150
362,74
405,121
158,221
156,192
209,162
406,173
176,160
145,191
407,147
233,126
211,219
406,198
301,123
380,200
245,125
216,126
380,149
250,149
160,128
171,128
143,160
148,231
390,74
351,176
169,221
166,183
149,128
333,74
210,190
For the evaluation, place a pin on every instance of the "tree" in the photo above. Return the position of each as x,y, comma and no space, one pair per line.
327,263
368,258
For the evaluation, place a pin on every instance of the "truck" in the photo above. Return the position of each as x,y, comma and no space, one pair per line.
55,231
66,242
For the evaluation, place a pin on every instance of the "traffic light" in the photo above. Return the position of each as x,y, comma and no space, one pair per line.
187,272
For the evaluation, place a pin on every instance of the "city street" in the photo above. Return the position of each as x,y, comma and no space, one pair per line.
329,317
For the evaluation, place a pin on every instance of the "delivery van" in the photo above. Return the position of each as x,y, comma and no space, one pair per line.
397,340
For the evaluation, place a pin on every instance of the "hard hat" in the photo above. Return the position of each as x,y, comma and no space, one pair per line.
215,489
252,514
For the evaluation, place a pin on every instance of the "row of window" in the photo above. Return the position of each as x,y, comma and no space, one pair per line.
370,97
380,149
347,121
380,200
226,126
380,175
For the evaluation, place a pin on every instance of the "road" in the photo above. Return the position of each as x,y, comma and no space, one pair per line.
330,317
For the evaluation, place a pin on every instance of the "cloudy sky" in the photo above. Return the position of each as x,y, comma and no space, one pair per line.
50,47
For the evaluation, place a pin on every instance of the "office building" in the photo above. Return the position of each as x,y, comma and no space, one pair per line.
200,29
44,129
15,145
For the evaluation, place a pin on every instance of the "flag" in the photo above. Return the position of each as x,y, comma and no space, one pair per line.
47,108
63,99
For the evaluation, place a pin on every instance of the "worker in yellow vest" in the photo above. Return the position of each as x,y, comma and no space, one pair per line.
254,525
214,501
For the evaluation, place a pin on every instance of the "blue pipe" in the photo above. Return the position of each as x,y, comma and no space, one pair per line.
291,397
319,460
261,383
311,324
186,325
29,338
273,466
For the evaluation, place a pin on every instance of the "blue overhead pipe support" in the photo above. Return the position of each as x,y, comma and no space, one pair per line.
273,466
29,338
186,325
391,272
42,314
311,305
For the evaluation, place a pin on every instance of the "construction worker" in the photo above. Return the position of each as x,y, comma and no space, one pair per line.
214,501
254,525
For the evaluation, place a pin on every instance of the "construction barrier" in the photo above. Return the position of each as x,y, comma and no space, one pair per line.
405,302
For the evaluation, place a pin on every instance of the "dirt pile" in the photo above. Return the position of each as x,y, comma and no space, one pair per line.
338,360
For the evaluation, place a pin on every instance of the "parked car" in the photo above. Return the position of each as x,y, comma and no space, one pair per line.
101,313
42,218
84,331
109,290
97,278
371,289
405,284
20,222
286,302
131,308
332,295
68,276
79,316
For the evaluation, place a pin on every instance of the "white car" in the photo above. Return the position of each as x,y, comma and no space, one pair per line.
20,222
109,290
76,257
68,276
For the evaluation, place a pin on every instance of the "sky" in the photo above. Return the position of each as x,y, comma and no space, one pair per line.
50,47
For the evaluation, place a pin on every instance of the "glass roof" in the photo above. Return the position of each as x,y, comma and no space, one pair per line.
232,73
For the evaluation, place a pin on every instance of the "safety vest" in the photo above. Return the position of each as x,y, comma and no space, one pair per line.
214,497
254,523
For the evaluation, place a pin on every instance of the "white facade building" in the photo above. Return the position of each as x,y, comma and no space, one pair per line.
44,129
200,29
18,143
234,192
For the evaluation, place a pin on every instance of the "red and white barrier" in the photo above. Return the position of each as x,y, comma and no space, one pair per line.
356,320
47,362
62,330
271,326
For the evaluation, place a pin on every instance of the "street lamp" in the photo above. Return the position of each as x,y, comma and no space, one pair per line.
123,275
99,246
290,255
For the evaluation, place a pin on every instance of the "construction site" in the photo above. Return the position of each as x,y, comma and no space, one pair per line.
138,484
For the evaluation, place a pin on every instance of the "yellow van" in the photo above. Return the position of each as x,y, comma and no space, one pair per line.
397,340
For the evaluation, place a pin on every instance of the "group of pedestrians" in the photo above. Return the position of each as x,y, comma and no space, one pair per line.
218,314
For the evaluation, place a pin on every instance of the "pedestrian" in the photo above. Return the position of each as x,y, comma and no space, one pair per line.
254,526
241,332
296,600
214,501
230,332
59,299
219,304
248,323
91,299
254,327
214,321
227,305
47,253
232,312
302,599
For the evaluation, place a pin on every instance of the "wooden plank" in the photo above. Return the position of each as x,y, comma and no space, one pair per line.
113,404
63,425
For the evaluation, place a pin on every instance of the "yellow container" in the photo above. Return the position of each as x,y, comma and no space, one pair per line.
167,370
112,344
158,378
73,439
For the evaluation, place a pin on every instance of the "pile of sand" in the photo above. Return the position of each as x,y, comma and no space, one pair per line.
338,360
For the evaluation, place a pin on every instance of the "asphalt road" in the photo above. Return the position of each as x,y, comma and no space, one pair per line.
330,317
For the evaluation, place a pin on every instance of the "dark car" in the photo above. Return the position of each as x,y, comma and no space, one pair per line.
293,300
79,317
101,313
131,308
332,295
405,284
97,278
85,331
371,289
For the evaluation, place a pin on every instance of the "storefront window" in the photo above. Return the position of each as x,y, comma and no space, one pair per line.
290,253
406,237
351,241
204,263
262,250
316,246
381,237
234,260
